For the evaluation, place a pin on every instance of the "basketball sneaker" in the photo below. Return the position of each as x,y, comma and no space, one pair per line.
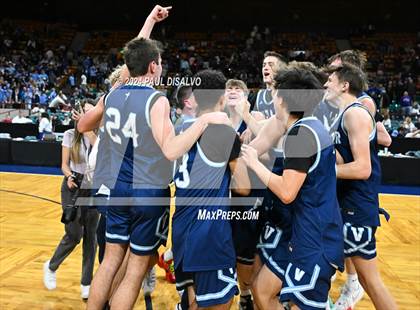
349,297
149,282
50,279
168,266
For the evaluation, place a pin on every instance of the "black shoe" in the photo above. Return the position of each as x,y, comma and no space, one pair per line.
245,303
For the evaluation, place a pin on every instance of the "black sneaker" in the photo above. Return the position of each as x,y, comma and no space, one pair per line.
245,303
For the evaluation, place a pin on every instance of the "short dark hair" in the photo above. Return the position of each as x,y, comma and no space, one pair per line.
299,89
139,53
211,87
353,75
355,57
280,57
183,93
317,72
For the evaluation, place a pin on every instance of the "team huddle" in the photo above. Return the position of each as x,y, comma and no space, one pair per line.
301,154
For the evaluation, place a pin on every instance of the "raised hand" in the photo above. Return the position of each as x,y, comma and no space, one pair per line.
249,155
159,13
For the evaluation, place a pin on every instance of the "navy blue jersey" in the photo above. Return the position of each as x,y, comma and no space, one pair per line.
241,128
135,157
201,243
316,220
275,211
326,113
264,103
358,198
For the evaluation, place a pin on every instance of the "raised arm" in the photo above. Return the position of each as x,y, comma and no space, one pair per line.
269,135
163,130
157,15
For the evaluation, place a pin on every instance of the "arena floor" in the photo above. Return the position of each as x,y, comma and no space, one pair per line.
30,229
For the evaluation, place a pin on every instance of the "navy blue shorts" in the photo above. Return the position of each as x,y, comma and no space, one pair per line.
215,287
183,278
273,249
245,235
145,228
307,285
359,241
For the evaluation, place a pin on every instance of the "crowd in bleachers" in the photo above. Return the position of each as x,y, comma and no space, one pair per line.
38,69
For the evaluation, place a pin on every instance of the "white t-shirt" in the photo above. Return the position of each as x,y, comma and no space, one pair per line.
45,125
21,120
83,151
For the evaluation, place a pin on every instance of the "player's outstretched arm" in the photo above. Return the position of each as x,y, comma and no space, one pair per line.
268,136
358,125
163,130
241,183
286,187
158,14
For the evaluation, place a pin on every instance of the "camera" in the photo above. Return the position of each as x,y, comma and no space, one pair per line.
70,211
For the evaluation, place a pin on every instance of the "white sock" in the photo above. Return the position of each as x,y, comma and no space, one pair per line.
352,280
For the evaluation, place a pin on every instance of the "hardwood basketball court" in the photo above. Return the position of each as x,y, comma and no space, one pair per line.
30,229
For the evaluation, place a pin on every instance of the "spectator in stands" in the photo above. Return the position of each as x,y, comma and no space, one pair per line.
21,119
7,119
408,124
66,121
406,104
45,125
59,100
387,122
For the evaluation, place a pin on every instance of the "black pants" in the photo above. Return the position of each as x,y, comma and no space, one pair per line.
84,226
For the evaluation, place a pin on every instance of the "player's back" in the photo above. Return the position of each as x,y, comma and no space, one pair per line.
317,224
135,157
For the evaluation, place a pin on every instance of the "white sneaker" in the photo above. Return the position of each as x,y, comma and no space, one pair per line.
84,291
349,297
149,282
50,280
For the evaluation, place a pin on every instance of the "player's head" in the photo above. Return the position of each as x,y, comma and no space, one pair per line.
142,57
344,79
235,91
208,93
298,91
273,62
184,100
306,65
354,57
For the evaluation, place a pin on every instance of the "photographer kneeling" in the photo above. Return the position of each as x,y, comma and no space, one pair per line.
80,221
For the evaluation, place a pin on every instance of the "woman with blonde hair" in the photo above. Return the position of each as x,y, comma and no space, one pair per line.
76,147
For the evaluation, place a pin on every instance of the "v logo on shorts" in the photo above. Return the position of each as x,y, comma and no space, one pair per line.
357,234
299,274
268,231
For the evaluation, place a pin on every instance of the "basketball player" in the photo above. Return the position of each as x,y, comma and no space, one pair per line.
203,248
352,291
140,167
308,185
359,172
245,232
184,102
92,120
359,60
